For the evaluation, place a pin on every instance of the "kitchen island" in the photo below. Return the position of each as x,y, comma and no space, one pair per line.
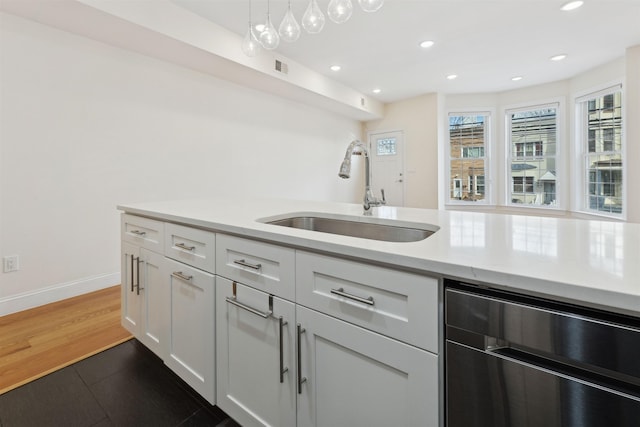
594,263
287,326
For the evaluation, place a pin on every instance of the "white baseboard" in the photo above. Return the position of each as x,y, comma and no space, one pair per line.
20,302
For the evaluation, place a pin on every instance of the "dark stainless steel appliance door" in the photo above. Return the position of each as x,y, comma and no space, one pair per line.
487,390
522,362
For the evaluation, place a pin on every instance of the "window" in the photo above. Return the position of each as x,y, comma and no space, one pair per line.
523,184
473,152
533,137
468,141
599,118
386,147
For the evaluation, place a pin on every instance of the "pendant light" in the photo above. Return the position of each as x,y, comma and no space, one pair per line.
340,11
313,19
370,5
269,38
289,28
250,45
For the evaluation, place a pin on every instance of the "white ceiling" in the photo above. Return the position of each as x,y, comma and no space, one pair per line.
484,42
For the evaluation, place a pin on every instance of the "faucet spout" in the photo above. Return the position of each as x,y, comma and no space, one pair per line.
345,172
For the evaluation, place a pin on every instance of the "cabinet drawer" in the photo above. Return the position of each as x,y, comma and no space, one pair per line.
143,232
266,267
395,303
191,246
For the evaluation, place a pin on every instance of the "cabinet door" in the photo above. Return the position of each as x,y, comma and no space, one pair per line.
355,377
154,327
192,329
131,300
251,350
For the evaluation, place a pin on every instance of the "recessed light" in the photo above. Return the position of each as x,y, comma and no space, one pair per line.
572,5
336,68
558,57
516,78
427,43
452,76
377,90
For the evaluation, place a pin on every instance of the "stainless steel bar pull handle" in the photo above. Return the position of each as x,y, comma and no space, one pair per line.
234,300
342,293
283,370
247,264
185,247
301,379
138,232
132,272
181,276
138,262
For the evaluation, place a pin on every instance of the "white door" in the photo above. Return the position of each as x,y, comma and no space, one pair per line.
131,298
387,166
155,303
352,377
192,327
255,356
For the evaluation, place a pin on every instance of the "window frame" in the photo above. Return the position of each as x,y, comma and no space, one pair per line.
510,156
471,180
581,146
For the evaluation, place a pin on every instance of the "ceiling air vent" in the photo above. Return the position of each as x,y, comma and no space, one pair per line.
282,67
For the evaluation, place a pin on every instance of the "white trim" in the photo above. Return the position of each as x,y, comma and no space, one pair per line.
53,293
559,103
580,178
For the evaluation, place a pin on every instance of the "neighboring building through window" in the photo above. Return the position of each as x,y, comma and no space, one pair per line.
599,118
468,141
533,137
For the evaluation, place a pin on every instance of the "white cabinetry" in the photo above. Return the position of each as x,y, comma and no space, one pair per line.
361,333
192,333
169,305
255,355
351,377
282,337
394,303
145,297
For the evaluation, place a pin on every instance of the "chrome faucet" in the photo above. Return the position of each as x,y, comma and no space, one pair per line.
345,171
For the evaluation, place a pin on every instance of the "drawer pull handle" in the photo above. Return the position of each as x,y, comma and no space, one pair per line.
342,293
234,300
138,233
301,379
179,275
283,370
185,247
247,264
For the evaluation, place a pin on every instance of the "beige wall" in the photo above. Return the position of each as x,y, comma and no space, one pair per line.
418,119
632,128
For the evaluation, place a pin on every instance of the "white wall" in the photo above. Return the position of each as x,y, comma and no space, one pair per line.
86,126
418,118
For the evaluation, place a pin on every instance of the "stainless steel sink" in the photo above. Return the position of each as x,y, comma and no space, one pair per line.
385,231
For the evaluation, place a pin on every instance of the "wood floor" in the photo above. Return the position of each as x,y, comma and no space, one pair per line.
36,342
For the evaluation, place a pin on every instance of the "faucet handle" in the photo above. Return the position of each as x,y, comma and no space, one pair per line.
384,201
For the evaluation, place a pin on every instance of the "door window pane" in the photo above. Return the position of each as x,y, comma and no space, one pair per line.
386,147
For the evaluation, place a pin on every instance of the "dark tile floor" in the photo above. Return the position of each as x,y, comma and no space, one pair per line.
126,385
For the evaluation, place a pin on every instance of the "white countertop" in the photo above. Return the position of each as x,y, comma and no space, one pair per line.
594,263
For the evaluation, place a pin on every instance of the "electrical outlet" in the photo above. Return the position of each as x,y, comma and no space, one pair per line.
10,263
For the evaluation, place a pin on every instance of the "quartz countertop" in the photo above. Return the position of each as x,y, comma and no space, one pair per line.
593,263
